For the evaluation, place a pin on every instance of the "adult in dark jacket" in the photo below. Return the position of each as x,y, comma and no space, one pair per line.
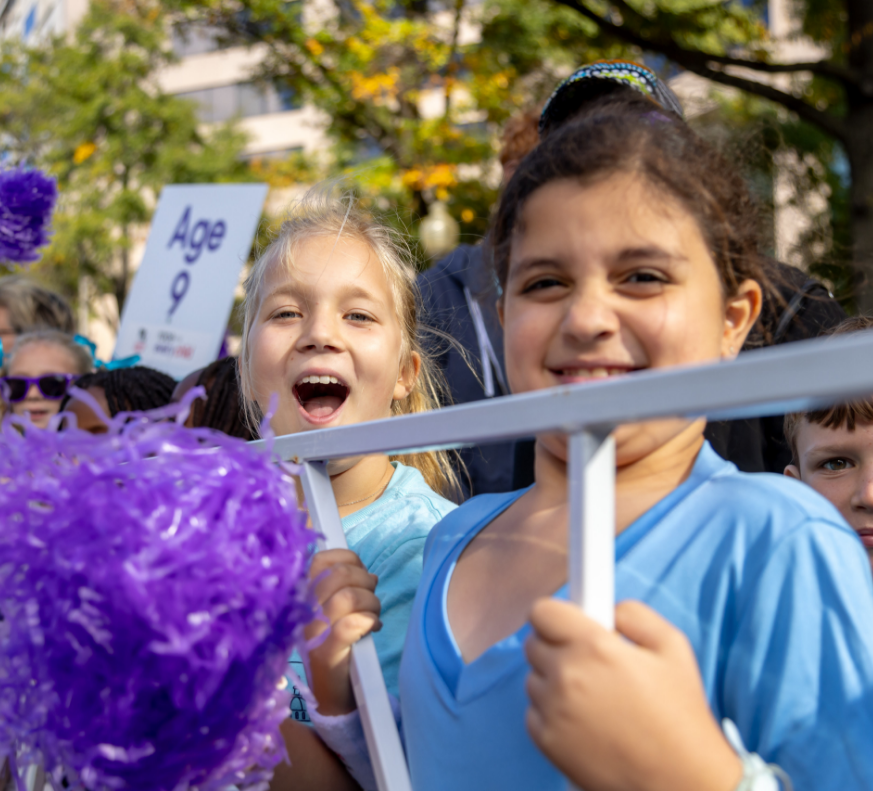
459,299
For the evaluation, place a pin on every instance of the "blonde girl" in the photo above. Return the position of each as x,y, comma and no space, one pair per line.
330,327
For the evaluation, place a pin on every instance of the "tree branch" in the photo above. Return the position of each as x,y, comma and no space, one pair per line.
699,63
451,66
661,43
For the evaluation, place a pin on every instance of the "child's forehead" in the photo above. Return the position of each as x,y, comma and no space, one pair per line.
327,263
815,438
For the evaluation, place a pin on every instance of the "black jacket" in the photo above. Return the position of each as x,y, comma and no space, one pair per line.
803,310
452,292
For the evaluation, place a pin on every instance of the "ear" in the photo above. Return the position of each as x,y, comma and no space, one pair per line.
500,312
408,377
792,471
741,313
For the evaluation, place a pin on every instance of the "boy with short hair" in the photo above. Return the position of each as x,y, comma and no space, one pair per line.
832,451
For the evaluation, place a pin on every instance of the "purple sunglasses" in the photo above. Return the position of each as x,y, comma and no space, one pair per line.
51,386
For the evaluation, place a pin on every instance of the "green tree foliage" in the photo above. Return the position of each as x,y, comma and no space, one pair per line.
830,96
89,111
414,94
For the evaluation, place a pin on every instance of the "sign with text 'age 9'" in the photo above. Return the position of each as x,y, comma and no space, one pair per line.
176,312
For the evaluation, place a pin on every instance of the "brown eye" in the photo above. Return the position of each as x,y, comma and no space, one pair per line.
646,276
836,465
542,284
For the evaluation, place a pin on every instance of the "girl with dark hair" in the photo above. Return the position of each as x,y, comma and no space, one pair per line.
135,389
625,243
222,407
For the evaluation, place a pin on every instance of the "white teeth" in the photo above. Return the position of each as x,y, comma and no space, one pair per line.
324,380
593,373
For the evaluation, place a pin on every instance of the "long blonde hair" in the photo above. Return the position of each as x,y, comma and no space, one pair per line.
325,211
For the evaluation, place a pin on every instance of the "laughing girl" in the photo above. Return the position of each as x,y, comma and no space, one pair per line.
330,326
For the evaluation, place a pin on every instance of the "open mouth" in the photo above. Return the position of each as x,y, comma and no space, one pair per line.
320,396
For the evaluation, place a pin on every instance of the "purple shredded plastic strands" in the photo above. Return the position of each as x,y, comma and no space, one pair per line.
152,586
27,199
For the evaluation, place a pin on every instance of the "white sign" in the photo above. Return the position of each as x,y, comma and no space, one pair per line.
176,312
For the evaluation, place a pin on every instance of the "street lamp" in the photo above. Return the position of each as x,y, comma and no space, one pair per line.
438,231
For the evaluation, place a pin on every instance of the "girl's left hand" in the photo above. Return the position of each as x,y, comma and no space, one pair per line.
616,714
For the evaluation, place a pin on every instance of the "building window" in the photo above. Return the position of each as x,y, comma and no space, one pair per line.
29,21
242,100
195,41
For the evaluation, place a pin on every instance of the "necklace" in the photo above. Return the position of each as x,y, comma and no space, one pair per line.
372,494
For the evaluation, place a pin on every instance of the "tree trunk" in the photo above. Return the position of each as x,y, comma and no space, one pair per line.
859,147
122,279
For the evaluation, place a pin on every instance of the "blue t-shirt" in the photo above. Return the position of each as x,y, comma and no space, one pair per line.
761,573
389,537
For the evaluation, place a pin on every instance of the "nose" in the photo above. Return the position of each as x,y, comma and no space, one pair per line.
590,315
321,331
33,393
862,497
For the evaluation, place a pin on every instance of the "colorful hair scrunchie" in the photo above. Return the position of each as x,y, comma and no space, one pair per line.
112,365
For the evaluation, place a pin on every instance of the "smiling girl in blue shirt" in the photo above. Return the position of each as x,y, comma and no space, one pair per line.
624,243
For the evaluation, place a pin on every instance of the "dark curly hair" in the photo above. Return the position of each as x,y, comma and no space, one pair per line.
627,134
129,389
222,409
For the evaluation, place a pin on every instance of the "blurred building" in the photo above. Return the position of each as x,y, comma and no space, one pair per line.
36,20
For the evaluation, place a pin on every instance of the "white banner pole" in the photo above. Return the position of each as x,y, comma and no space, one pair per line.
368,683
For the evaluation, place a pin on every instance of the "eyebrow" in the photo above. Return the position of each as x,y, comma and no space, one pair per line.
352,292
829,450
649,252
627,255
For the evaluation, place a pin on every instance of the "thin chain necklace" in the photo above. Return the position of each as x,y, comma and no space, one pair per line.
372,494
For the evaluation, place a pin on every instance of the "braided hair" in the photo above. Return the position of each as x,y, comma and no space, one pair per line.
129,389
222,409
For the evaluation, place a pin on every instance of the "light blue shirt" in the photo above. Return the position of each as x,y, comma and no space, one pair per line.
389,537
761,573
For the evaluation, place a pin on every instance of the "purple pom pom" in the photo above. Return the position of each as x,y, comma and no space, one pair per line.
27,198
152,587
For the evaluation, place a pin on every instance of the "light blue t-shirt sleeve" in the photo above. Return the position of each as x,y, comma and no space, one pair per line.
399,575
797,675
389,537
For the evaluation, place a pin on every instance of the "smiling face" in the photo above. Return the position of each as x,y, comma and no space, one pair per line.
610,278
838,464
327,339
35,360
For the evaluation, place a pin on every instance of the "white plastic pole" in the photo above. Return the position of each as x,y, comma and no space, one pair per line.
591,533
591,544
368,683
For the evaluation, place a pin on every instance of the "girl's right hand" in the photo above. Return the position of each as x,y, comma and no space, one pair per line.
633,697
346,592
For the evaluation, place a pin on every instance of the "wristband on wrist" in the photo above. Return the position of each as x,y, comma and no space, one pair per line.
758,775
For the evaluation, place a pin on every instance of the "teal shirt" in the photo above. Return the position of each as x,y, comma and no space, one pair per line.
389,536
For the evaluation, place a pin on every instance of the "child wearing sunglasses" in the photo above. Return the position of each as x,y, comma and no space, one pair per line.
39,370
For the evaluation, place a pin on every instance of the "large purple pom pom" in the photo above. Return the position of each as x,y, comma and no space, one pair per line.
27,198
152,586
